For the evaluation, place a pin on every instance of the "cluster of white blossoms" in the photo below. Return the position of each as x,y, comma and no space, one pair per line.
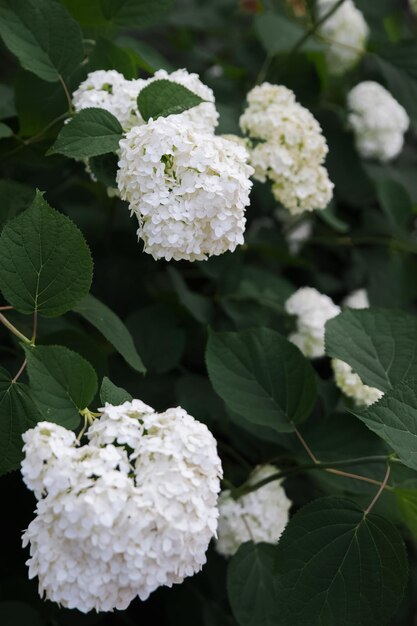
204,116
346,379
132,510
377,120
352,386
110,90
289,148
259,516
187,187
312,310
345,32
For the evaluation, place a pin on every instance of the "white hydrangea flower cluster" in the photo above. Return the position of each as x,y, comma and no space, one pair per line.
110,90
352,386
346,33
204,116
312,310
346,379
130,511
378,121
187,187
259,516
289,148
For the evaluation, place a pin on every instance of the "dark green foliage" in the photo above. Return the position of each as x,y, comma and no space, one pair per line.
212,336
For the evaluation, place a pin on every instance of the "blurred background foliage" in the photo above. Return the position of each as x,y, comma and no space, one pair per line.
366,238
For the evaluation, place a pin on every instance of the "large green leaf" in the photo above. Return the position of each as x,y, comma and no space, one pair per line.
17,414
112,327
45,263
62,383
131,13
379,344
90,133
262,377
250,585
165,97
336,566
394,419
44,37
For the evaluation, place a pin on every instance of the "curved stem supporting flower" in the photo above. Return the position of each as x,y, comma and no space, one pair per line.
380,490
20,372
14,330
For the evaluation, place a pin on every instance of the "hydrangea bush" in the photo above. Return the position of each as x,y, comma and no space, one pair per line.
208,321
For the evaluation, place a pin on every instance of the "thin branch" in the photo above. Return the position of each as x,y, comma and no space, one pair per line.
299,44
20,372
6,307
13,329
380,490
67,94
237,492
305,446
35,326
234,455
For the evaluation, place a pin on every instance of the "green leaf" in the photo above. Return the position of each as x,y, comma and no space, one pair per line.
14,198
131,13
62,383
262,377
398,65
107,56
165,97
395,203
407,504
112,394
7,108
337,566
104,169
112,327
250,585
159,339
264,287
45,263
17,414
147,57
279,34
379,344
44,37
5,131
90,133
197,305
394,419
